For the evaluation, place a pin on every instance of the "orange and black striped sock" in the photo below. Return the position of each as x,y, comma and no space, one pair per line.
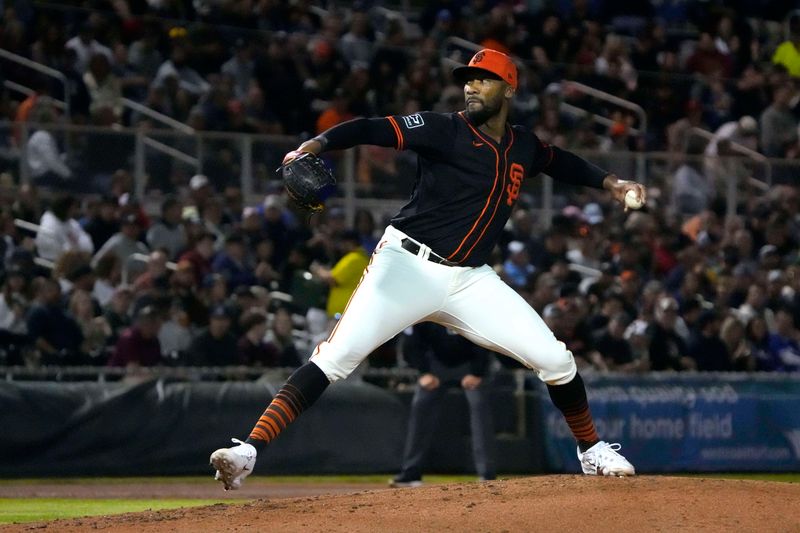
570,399
300,391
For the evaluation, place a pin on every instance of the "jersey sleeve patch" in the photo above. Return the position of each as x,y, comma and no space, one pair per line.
413,121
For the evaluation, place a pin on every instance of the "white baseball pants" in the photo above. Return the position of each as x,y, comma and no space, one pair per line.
399,289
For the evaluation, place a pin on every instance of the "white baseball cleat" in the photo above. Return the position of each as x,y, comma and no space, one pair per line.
234,464
602,459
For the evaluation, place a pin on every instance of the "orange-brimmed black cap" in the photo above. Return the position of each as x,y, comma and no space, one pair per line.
492,61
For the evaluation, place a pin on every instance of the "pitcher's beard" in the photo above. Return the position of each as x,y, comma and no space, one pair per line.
480,116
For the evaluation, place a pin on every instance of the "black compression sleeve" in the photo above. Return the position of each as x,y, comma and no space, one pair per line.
570,168
375,131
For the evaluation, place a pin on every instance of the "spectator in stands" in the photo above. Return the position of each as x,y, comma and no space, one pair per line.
667,349
156,276
13,309
47,166
215,346
705,346
175,335
124,245
55,334
788,52
144,55
733,334
85,46
103,222
108,275
168,233
445,359
281,337
517,268
200,255
240,68
615,348
59,231
345,274
691,189
95,329
778,125
138,345
176,70
105,89
232,264
784,347
253,350
118,312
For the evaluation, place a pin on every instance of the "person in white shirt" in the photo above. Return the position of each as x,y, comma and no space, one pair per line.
46,164
60,232
85,46
187,78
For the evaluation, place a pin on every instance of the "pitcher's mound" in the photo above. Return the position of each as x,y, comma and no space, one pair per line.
549,503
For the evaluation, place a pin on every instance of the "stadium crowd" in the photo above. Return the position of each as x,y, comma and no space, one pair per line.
209,280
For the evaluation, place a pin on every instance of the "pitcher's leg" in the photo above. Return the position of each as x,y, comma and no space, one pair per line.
491,314
396,291
515,329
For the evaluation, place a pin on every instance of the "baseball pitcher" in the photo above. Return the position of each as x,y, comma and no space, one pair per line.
430,264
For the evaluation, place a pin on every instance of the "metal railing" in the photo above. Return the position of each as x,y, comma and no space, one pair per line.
363,184
42,69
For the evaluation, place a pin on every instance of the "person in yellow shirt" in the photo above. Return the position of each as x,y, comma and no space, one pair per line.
343,278
788,52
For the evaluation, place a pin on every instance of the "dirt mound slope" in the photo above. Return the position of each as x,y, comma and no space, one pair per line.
547,503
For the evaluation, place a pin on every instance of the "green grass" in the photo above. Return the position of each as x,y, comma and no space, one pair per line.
33,510
323,479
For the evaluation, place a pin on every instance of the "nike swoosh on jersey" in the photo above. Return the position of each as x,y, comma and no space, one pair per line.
477,144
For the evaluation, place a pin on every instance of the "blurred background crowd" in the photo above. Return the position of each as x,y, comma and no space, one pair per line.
205,276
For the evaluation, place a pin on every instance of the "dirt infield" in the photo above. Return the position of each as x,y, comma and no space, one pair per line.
549,503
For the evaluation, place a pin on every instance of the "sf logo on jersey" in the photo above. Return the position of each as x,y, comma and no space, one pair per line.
515,173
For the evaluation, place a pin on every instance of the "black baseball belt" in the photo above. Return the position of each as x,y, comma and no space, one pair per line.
411,246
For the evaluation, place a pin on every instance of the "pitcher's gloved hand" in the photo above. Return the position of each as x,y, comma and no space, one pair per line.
307,180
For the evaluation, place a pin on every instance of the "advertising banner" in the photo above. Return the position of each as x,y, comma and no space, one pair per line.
687,423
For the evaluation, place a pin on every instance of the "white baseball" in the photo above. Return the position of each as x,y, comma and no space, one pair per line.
632,200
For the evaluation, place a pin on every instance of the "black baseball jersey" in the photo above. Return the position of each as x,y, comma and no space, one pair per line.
467,183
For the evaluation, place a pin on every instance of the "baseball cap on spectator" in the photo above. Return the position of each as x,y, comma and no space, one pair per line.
552,310
593,213
668,303
748,125
147,312
767,250
273,200
573,212
498,64
516,247
198,181
218,312
210,279
775,275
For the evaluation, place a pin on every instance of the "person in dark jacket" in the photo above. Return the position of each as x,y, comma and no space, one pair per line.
216,346
705,346
138,345
445,359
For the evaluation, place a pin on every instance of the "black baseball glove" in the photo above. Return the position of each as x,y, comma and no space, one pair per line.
308,181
